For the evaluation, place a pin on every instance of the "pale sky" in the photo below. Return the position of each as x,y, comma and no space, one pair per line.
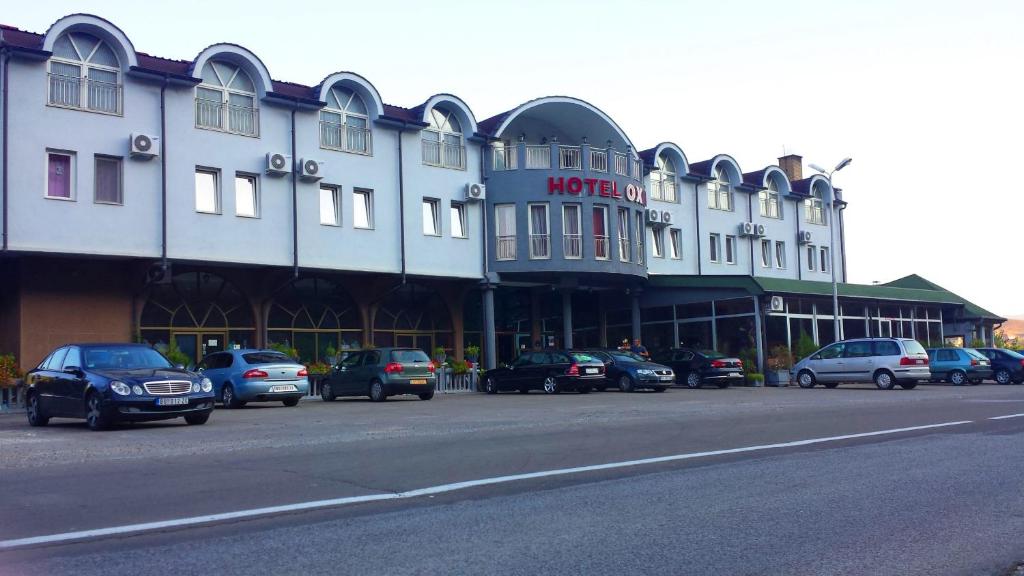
925,95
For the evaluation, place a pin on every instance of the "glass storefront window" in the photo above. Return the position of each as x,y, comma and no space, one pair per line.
696,310
734,306
853,328
657,337
659,314
695,334
736,336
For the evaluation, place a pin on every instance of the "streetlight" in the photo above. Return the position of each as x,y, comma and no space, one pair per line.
832,239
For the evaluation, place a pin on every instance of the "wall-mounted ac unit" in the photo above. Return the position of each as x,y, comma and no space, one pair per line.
666,217
751,229
278,164
777,304
804,237
653,217
476,191
144,146
310,169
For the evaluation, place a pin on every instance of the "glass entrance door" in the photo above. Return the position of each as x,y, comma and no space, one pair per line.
197,345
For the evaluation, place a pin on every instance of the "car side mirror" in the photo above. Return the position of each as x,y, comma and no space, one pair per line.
179,366
816,357
74,371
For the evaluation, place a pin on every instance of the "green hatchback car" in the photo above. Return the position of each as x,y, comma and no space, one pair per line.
380,373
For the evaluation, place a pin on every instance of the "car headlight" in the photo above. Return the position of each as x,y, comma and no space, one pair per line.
196,386
206,385
120,388
138,390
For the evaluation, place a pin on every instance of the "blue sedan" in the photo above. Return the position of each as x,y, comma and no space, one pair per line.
241,376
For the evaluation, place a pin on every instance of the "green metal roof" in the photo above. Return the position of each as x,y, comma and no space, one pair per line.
971,310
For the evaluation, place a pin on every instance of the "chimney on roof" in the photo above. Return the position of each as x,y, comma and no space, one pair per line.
793,166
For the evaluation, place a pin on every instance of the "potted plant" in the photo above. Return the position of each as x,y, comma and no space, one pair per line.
440,355
9,378
472,353
755,379
176,356
780,360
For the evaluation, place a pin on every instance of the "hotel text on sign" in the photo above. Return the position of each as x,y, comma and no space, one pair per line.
577,186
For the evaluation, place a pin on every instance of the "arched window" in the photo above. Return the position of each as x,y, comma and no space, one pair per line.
663,180
344,123
226,100
314,316
814,207
85,73
769,200
442,141
413,316
720,190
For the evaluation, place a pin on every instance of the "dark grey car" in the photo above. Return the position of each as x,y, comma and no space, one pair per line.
380,373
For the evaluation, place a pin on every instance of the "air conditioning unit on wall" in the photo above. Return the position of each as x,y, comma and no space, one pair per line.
777,304
476,191
804,236
310,169
278,164
652,216
751,229
144,146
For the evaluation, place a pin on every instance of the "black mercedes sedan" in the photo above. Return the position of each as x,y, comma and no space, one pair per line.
632,372
549,370
699,367
108,383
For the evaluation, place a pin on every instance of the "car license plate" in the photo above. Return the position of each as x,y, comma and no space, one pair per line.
666,378
179,401
590,370
284,388
418,381
735,375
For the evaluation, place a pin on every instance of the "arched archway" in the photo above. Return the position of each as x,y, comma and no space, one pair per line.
413,316
313,316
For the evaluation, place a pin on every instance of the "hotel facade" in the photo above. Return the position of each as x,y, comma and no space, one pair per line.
205,203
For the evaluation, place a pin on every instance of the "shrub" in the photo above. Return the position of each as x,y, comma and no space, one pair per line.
8,370
176,356
285,349
805,346
780,358
749,358
472,351
755,377
458,366
318,368
978,343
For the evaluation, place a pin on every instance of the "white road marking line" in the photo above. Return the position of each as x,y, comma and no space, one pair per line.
443,488
1007,416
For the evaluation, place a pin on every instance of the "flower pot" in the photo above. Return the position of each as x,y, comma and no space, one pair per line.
778,378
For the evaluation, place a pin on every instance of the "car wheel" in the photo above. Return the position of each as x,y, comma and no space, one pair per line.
36,416
908,385
197,419
659,388
228,398
1003,376
625,383
490,386
551,385
427,395
326,392
884,380
806,379
289,402
831,385
693,380
957,378
377,391
94,416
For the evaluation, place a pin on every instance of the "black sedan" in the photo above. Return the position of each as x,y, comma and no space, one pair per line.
1007,365
549,370
108,383
699,367
631,371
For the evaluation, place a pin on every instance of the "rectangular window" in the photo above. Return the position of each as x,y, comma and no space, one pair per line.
362,209
572,231
658,242
675,243
780,255
329,213
766,253
540,238
769,203
639,236
600,221
730,249
505,231
714,247
246,196
719,196
624,234
824,259
109,189
458,216
431,217
59,180
810,258
207,191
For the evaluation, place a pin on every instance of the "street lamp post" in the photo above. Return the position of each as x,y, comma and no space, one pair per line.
832,239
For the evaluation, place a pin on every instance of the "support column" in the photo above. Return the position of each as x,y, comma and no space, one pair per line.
602,320
635,301
758,328
490,340
535,335
567,319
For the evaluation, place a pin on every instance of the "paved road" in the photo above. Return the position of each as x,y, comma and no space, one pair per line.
936,501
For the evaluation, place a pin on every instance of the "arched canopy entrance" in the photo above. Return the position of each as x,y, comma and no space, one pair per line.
315,316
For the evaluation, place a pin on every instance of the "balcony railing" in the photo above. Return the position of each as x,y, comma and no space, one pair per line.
505,158
570,158
244,120
72,91
572,246
506,248
540,246
598,160
620,163
346,138
624,249
638,169
538,157
444,154
601,247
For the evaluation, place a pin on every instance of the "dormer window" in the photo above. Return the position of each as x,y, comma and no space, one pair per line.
720,190
226,100
442,141
344,123
769,200
84,73
814,207
663,180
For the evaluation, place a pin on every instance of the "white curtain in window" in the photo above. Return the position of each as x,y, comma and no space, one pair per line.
538,220
571,220
505,216
108,180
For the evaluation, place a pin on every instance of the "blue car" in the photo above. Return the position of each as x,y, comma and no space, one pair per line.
631,372
958,366
241,376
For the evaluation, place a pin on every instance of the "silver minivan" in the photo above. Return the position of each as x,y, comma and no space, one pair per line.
884,361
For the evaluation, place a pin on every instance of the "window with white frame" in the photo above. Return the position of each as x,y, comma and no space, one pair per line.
330,213
226,100
730,249
663,180
623,224
362,209
811,257
505,231
638,235
769,200
207,191
442,141
658,242
814,207
344,123
457,213
572,232
715,247
720,190
84,73
600,222
247,200
780,255
108,186
539,230
60,175
675,243
431,217
766,253
824,259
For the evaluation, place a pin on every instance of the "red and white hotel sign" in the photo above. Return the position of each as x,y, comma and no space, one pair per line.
597,187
